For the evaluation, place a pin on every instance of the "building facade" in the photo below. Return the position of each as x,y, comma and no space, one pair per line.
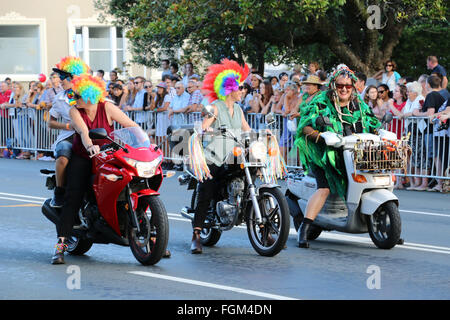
35,35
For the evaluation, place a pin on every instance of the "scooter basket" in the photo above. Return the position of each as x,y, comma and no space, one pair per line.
387,155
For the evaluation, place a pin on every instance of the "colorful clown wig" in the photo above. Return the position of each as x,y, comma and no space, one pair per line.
73,65
224,78
91,89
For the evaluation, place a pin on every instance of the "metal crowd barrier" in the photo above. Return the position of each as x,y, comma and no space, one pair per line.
26,129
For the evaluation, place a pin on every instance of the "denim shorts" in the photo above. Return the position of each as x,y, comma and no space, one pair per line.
64,148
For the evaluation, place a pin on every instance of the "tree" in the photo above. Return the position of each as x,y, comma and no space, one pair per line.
271,30
419,41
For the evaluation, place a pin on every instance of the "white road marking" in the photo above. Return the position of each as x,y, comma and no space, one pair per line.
212,285
21,196
21,200
426,213
324,235
349,238
401,210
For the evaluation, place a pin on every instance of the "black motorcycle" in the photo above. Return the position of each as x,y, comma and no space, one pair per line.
263,208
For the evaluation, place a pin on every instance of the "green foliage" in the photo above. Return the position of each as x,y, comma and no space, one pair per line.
273,31
417,43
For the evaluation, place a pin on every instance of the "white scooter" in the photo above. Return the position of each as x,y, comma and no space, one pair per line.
370,205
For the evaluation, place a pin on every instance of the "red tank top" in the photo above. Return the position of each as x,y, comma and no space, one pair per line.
100,121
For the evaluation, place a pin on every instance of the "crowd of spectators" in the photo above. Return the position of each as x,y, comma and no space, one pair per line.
178,98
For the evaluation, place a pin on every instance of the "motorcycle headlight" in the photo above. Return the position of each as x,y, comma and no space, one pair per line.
258,151
145,169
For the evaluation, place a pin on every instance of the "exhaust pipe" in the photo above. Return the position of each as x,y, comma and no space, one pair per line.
183,179
188,213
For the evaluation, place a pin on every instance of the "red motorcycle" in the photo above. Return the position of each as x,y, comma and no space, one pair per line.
123,207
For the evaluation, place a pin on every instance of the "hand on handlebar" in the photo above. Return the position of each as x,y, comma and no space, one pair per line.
93,150
340,143
332,139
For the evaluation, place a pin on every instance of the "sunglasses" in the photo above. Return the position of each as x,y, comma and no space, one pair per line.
65,76
241,87
137,82
147,87
382,91
389,65
342,86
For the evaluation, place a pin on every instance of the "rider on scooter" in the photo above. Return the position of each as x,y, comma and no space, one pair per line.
338,110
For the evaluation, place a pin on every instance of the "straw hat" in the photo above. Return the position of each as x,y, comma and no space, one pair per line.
313,79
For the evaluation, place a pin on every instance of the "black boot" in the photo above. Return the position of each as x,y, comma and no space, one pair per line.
302,236
196,246
58,256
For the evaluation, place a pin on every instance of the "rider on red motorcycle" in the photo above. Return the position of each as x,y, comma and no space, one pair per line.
90,112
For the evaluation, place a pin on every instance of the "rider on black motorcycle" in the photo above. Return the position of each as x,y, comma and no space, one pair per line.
223,86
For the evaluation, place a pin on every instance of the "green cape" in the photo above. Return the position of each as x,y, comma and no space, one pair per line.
320,155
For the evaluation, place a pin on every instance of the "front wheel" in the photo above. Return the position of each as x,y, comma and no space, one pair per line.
385,225
269,238
149,244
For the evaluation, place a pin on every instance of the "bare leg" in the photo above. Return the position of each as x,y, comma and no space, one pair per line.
60,170
316,203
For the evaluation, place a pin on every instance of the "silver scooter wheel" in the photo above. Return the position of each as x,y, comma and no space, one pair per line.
385,225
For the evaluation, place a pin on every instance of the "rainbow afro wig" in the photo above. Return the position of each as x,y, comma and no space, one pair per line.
224,78
73,65
91,89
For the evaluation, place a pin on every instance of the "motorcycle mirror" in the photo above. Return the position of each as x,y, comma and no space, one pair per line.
98,133
208,111
387,118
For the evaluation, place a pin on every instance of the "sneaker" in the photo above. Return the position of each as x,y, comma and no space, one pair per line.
56,202
58,256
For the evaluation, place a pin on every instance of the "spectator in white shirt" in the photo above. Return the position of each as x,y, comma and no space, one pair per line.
179,105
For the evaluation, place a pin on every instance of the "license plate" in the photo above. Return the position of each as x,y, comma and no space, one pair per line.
381,180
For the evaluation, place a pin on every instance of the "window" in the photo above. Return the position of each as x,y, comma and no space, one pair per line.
100,47
20,45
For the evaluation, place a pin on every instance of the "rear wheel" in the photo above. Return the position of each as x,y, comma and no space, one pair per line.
77,246
208,236
385,226
269,238
150,243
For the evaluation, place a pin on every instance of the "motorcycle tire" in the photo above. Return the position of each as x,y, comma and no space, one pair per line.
281,221
78,246
154,231
385,226
208,236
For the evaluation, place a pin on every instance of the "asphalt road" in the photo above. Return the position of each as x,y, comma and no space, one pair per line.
337,266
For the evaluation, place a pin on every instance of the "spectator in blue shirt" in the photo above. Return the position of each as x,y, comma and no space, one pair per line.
435,67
